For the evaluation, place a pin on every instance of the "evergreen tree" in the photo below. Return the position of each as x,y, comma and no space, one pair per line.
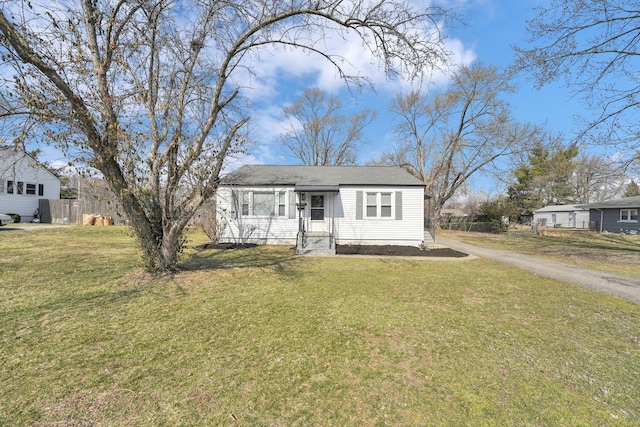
545,179
632,189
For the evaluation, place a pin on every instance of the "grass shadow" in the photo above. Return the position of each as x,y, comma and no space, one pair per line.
214,257
80,301
608,243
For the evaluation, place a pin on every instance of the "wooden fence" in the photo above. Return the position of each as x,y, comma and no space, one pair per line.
70,211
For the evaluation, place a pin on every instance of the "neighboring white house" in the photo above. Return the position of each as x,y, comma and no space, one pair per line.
23,182
565,216
318,207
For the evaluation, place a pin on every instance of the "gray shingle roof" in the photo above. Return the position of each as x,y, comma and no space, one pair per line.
627,202
562,208
256,175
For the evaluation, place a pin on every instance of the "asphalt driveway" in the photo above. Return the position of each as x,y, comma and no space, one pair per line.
618,286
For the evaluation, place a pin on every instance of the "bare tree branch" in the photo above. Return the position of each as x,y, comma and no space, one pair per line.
593,45
457,134
318,134
145,91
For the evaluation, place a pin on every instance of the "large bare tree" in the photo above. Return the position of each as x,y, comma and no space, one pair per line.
448,138
318,134
593,46
597,178
147,90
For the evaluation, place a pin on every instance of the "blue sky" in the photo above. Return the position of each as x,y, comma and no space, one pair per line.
493,27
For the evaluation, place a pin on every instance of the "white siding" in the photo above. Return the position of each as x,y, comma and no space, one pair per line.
569,219
18,167
340,210
276,230
382,231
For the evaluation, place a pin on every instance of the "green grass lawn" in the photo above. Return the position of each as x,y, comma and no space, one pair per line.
608,252
261,337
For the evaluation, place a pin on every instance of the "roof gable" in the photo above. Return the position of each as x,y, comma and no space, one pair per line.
256,175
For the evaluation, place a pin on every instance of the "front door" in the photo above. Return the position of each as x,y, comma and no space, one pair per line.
316,213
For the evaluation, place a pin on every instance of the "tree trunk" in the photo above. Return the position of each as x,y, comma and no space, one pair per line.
159,240
171,247
160,249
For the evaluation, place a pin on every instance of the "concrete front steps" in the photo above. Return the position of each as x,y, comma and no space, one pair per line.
315,244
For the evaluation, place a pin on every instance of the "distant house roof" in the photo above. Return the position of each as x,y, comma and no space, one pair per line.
321,176
6,151
562,208
627,202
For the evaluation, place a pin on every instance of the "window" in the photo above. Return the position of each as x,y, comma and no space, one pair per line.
629,215
281,203
372,204
317,207
553,218
263,203
379,205
245,203
19,187
385,205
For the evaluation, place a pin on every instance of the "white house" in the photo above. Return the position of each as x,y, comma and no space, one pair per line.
562,216
23,182
319,207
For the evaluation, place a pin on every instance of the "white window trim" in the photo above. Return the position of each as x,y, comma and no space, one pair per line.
11,187
276,208
35,189
379,205
245,196
629,212
281,201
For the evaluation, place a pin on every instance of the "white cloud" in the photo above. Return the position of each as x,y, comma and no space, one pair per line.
274,68
279,75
